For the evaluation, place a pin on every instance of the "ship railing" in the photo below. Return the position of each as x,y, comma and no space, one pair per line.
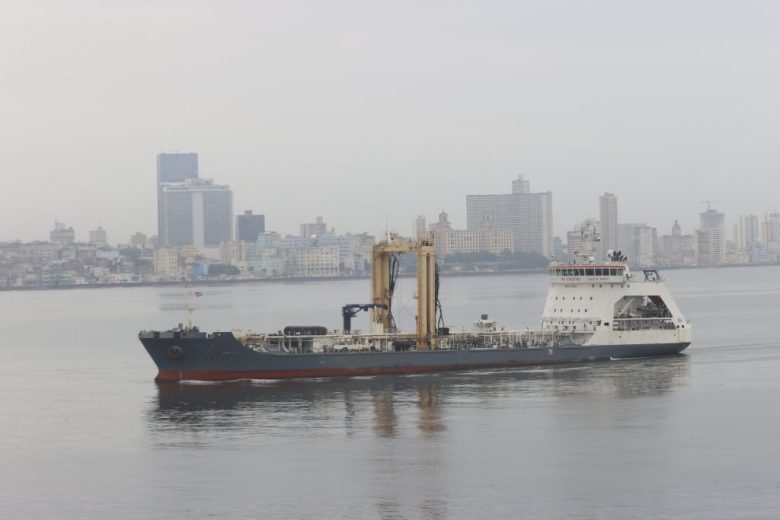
390,342
499,340
624,324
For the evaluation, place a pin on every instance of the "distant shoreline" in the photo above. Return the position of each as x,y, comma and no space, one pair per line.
296,280
248,281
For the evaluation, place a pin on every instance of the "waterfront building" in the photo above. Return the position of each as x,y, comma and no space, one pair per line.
34,252
314,229
495,241
232,253
173,168
527,215
197,212
449,241
61,235
608,220
166,263
249,226
677,249
319,261
264,256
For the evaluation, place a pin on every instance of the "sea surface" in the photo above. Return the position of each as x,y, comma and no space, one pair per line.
86,433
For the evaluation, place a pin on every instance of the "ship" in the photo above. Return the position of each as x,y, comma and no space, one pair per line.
593,311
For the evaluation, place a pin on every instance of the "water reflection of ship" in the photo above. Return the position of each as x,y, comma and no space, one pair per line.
197,406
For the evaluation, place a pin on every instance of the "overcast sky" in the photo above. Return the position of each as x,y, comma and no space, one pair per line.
374,112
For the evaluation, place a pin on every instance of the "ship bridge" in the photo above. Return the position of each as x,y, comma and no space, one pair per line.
588,273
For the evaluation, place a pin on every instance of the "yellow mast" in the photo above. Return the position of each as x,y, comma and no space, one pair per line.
381,290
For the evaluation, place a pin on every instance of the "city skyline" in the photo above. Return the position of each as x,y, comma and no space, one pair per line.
354,110
729,226
291,219
505,231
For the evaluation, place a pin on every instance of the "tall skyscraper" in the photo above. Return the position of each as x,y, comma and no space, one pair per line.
609,221
420,226
172,168
520,186
196,212
638,242
645,245
746,232
249,226
710,238
527,215
712,219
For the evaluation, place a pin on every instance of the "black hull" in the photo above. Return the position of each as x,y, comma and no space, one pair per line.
220,357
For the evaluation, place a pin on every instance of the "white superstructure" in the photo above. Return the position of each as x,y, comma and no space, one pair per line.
606,304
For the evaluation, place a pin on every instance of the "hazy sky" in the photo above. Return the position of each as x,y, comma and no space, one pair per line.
368,112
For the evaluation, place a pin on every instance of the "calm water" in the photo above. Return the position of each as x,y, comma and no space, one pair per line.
86,433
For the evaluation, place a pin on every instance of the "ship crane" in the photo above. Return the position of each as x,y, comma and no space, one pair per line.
351,310
384,267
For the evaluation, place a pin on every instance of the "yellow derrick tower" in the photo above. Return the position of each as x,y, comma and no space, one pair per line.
385,267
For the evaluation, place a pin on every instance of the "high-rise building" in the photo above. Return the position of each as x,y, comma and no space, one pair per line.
98,236
578,244
520,186
249,226
608,224
638,242
420,227
676,229
196,213
527,215
710,238
770,231
746,232
314,229
172,168
645,245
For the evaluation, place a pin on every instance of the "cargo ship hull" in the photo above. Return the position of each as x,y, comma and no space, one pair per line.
221,357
